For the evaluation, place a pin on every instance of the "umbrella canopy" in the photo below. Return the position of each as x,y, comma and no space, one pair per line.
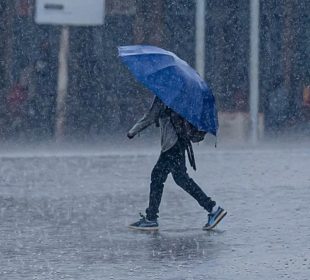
177,84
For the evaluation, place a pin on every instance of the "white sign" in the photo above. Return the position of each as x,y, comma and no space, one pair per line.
70,12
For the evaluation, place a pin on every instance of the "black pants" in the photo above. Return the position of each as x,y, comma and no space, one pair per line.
173,161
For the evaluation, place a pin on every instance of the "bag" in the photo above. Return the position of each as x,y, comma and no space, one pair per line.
187,134
184,129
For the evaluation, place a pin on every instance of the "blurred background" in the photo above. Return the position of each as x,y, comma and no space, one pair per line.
103,99
71,181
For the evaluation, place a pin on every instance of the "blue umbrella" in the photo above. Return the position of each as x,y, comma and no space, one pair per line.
177,84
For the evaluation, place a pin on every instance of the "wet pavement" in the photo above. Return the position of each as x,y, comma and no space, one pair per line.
66,217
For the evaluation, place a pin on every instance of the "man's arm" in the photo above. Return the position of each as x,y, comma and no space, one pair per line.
149,118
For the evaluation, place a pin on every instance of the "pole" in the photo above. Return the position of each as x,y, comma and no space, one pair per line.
62,83
200,37
254,68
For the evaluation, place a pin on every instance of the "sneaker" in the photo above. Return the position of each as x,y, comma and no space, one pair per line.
145,224
214,218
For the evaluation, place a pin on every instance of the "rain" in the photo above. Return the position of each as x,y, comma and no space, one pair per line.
71,181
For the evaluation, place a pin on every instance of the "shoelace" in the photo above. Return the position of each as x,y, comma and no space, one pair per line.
211,215
142,216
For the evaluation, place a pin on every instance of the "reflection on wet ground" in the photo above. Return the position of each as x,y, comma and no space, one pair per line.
67,217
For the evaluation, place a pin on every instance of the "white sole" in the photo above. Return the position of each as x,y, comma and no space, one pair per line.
220,217
144,229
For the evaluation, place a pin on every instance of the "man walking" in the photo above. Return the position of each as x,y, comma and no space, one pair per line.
171,160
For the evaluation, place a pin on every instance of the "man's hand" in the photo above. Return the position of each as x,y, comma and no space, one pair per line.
129,135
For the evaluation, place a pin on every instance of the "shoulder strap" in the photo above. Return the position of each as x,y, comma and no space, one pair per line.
190,154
